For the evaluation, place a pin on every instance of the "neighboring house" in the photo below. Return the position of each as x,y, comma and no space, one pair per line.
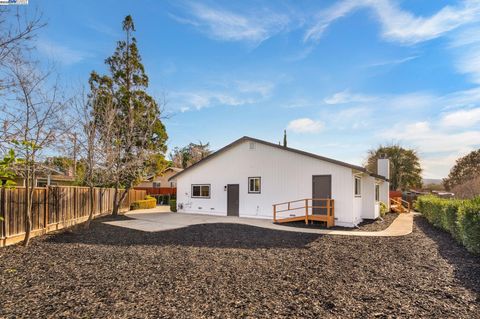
47,176
160,184
258,174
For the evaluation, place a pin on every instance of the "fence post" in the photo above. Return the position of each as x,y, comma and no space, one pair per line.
47,204
274,213
3,208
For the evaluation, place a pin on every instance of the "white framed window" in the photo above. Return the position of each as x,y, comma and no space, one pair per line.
200,190
156,185
377,192
358,186
254,185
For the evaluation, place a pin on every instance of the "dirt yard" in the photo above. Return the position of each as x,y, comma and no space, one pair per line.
231,271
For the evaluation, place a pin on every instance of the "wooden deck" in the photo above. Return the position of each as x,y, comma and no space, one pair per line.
308,208
398,205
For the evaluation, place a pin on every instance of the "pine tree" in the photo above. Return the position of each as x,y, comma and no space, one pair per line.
136,132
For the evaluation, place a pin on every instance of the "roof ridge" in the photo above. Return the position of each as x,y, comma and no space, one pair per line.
286,148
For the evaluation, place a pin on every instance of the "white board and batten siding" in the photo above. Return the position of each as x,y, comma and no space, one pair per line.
285,176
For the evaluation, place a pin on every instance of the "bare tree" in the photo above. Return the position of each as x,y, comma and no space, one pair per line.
16,35
190,154
94,152
17,29
31,123
468,189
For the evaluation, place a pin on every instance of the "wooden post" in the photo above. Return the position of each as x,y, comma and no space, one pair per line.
4,213
274,213
328,213
332,221
75,198
306,210
45,217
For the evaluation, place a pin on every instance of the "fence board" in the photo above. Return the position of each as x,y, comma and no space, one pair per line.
54,208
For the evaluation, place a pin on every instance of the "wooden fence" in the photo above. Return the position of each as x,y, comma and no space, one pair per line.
54,208
159,190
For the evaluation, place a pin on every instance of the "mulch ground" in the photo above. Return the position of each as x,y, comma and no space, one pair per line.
232,271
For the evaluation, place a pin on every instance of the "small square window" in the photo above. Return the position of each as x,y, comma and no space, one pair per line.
358,186
254,185
156,184
200,191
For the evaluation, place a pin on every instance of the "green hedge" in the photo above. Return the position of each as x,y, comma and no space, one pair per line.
148,202
173,205
461,218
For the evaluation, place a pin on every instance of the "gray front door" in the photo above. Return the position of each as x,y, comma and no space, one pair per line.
321,190
232,199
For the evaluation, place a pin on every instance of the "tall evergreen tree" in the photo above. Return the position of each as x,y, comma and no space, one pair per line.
134,132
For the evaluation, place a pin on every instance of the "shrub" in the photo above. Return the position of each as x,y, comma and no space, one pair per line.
148,202
173,205
461,218
469,226
383,209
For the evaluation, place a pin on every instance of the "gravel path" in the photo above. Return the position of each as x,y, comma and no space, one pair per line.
231,271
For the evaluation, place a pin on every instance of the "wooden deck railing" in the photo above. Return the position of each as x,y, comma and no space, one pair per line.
398,205
307,207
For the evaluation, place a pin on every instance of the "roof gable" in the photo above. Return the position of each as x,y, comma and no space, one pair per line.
289,149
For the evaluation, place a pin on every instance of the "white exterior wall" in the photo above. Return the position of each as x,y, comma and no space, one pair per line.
384,193
357,200
285,176
371,208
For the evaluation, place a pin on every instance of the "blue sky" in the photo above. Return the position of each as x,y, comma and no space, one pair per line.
341,76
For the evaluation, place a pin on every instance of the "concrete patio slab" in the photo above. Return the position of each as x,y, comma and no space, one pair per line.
154,221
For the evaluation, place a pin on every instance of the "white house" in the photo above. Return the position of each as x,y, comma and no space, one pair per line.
248,176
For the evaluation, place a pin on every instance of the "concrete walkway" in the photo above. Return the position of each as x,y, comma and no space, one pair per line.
154,220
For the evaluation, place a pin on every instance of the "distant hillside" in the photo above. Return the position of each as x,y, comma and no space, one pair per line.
436,181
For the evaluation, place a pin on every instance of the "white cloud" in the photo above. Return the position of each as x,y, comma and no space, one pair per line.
230,94
61,53
305,125
465,45
201,99
393,61
437,146
345,96
262,88
399,25
351,118
462,118
220,24
415,100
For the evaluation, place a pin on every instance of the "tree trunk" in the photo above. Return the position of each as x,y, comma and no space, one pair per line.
118,200
117,204
115,196
28,212
91,194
